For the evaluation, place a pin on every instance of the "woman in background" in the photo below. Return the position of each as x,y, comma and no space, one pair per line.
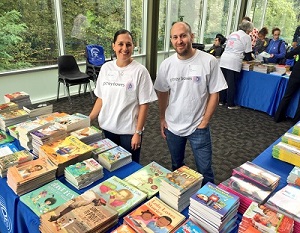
276,47
124,90
262,41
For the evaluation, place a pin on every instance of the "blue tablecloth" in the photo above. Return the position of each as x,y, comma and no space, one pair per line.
263,92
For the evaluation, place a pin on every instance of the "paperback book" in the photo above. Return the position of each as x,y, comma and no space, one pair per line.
189,226
114,158
8,148
12,118
38,109
294,176
6,107
5,138
48,197
154,215
123,229
102,145
74,122
88,135
148,178
119,195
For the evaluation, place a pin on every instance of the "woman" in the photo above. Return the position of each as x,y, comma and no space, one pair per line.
293,86
238,47
276,47
124,90
262,41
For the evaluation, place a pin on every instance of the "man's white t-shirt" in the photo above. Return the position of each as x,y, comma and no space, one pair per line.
237,44
122,90
190,82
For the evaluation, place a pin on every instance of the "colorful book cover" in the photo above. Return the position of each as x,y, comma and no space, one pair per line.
48,197
53,117
5,138
148,178
154,216
258,174
181,179
84,213
13,114
189,227
86,132
66,149
49,131
28,126
267,220
119,195
74,122
83,168
15,158
8,148
102,146
215,200
15,96
8,107
123,229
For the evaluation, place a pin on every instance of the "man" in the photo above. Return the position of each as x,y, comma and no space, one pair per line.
296,38
187,84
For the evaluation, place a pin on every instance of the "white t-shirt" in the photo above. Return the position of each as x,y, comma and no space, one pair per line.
190,82
237,44
122,90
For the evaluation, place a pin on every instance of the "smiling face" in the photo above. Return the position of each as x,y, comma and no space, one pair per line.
123,47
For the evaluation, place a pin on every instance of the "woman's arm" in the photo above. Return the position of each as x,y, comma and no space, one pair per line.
96,109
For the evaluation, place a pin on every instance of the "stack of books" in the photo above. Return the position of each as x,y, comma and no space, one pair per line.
286,201
154,216
38,109
261,68
84,173
83,214
287,153
25,128
48,197
74,121
21,98
178,186
291,139
13,159
114,158
88,135
5,138
8,148
101,146
7,107
46,135
12,117
296,129
294,176
119,195
65,152
214,209
247,66
148,178
265,219
30,175
190,226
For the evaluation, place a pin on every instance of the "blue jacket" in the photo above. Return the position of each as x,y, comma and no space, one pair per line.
273,49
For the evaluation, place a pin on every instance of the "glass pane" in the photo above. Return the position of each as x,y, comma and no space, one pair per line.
137,24
26,40
91,22
162,25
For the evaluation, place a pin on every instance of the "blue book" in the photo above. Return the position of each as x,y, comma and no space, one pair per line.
8,148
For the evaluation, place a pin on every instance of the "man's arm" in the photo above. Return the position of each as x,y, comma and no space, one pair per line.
212,103
163,98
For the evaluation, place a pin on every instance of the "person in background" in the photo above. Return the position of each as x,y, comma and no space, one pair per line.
124,90
296,38
217,49
253,34
188,85
238,47
262,41
293,86
276,47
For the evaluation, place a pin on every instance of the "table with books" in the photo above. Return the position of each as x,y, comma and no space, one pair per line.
263,92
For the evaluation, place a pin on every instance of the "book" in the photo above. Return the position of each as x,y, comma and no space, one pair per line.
148,178
102,145
180,180
46,134
11,97
8,148
88,134
119,195
123,229
84,213
114,158
38,109
189,226
29,126
48,197
6,107
74,121
294,176
5,138
12,117
153,215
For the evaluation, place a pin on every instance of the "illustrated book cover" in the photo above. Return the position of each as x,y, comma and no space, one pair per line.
102,145
11,97
8,148
48,197
123,229
190,227
6,107
119,195
114,158
5,138
148,178
154,215
88,134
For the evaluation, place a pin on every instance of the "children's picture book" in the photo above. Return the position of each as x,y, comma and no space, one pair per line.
148,178
102,145
88,133
267,220
48,197
5,138
83,168
257,174
123,229
28,126
74,121
190,227
114,158
8,148
44,134
119,195
84,213
6,107
180,180
294,176
11,97
154,216
13,114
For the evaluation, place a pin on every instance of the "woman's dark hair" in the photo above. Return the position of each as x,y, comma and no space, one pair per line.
246,18
51,199
221,38
264,31
275,29
120,32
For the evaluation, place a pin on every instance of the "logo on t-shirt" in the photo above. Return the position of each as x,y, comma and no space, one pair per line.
196,79
129,86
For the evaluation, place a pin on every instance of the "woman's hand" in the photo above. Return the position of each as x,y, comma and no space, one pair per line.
136,141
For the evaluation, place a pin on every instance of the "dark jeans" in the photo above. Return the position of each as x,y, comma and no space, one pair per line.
228,95
124,140
200,142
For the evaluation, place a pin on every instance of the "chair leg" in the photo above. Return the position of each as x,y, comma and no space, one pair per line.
68,91
89,84
79,89
58,91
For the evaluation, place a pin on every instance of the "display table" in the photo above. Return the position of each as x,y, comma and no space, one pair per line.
263,92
